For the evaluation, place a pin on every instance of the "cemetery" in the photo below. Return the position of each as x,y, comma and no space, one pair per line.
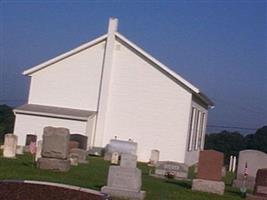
59,166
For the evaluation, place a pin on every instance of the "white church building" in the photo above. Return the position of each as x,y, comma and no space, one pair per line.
110,88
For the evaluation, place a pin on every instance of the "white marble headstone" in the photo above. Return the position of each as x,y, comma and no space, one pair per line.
10,146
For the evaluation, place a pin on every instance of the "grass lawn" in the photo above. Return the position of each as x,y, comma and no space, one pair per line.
94,174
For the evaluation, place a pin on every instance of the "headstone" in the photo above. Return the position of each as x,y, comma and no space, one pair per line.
261,183
128,160
55,164
73,144
260,190
124,181
30,138
10,145
120,146
178,170
81,139
55,143
19,150
154,158
55,149
254,160
80,153
230,164
115,158
74,160
209,172
38,150
234,164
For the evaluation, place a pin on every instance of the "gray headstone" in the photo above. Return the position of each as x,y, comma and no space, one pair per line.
124,178
80,153
128,160
55,143
38,150
179,170
255,160
10,145
154,158
120,146
54,164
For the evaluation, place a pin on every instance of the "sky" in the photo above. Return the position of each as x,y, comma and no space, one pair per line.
219,46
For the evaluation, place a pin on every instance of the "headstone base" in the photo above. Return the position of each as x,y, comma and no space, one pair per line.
254,197
53,164
250,182
123,193
216,187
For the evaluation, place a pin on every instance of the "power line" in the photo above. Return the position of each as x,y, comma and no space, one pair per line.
232,127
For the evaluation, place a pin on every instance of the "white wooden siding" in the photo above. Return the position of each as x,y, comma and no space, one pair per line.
28,124
146,106
72,82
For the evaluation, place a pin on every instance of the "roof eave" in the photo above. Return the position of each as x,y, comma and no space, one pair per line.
18,111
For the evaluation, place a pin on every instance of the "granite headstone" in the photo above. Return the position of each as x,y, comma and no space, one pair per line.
209,173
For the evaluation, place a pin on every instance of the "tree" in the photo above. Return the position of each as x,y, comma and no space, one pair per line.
229,143
258,140
7,118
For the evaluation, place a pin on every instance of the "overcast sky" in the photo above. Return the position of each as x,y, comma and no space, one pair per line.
219,46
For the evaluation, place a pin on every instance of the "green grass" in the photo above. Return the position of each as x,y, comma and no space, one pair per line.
94,174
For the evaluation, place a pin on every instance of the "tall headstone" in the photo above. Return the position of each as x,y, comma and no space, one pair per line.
125,181
38,150
234,164
230,164
209,172
154,157
260,189
252,160
10,145
55,149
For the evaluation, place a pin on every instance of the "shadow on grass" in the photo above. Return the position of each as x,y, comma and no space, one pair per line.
181,184
98,187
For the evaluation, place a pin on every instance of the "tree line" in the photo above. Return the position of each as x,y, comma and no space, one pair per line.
7,118
230,143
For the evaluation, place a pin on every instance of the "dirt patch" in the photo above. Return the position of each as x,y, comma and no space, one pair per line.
27,191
